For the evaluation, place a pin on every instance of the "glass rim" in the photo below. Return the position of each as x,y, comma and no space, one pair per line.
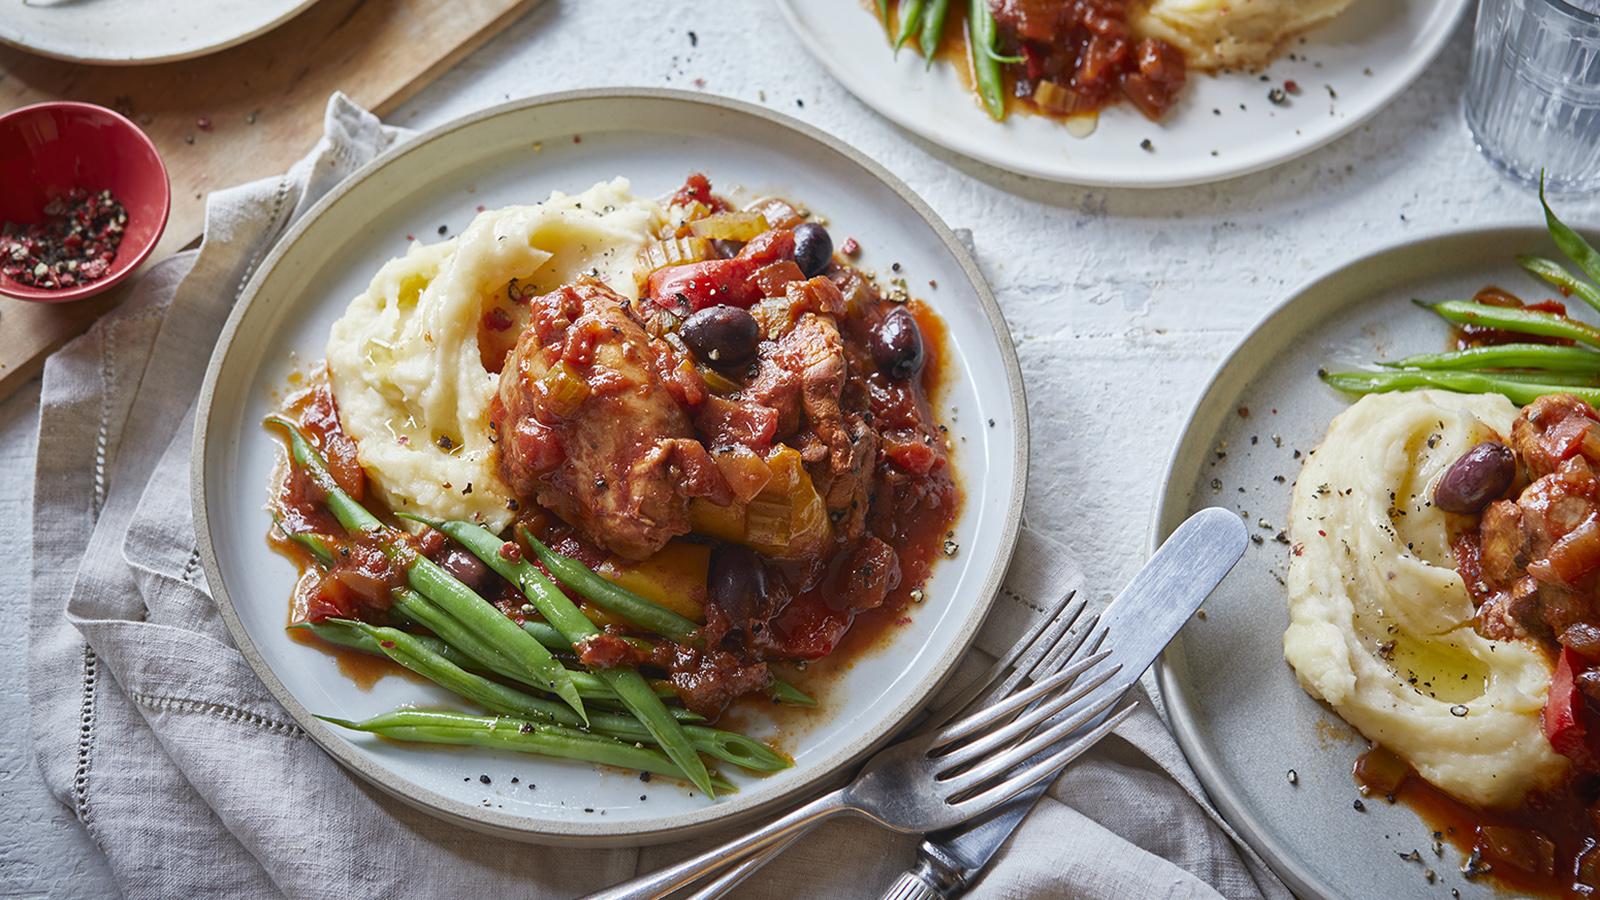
1577,12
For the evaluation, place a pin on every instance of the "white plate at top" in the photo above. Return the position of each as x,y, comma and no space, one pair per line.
517,154
137,32
1222,126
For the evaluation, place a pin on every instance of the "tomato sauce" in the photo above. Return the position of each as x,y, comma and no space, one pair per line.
1562,816
1074,61
363,670
915,502
1468,336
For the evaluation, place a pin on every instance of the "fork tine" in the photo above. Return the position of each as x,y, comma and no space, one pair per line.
1046,768
1010,757
1021,659
989,715
1069,647
1031,666
1018,728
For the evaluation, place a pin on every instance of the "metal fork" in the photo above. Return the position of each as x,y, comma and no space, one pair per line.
1036,654
949,773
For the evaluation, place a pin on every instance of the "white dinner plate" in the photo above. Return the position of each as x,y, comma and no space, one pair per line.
1222,126
1241,717
516,154
129,32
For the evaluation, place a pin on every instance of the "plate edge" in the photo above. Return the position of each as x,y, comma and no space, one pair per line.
1420,64
517,827
1180,718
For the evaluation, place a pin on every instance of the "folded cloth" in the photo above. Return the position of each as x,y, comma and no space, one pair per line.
194,782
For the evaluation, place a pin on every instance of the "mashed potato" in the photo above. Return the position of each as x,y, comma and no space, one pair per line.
404,360
1232,34
1380,624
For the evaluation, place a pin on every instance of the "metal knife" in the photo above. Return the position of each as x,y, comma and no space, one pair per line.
1139,623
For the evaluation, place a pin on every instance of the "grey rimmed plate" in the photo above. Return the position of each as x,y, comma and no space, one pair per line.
1240,716
518,153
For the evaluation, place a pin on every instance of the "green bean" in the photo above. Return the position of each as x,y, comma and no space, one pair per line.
414,606
560,611
520,735
883,12
343,633
424,612
933,29
639,611
411,651
985,65
784,692
1546,357
1571,244
1518,392
433,582
423,651
910,18
1557,274
1566,379
316,544
611,597
348,633
1520,321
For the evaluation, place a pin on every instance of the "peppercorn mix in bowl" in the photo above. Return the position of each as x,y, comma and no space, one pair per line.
84,198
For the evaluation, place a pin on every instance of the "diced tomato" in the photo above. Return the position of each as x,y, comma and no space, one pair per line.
808,629
694,286
768,247
697,189
1566,718
321,421
912,455
606,651
1034,61
772,279
496,319
538,445
742,422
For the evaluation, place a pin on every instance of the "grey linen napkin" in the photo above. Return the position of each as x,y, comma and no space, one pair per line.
194,782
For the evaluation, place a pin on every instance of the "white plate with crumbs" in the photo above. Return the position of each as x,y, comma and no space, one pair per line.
1276,762
518,153
138,32
1223,125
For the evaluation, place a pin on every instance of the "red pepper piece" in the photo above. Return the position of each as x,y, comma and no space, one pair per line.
692,287
1566,718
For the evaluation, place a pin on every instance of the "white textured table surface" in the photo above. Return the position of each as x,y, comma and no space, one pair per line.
1121,302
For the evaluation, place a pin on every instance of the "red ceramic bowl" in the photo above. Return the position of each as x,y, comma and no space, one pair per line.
50,148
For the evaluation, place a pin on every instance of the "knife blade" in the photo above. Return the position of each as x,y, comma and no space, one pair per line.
1139,624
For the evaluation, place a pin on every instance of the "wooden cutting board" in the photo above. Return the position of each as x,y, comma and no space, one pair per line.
241,114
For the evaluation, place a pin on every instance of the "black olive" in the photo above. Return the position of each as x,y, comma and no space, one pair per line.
1481,476
465,568
737,584
722,336
897,344
813,249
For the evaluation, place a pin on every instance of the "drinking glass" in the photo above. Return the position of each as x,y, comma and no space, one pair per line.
1533,97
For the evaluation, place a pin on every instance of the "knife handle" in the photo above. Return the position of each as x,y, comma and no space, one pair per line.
910,887
929,879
